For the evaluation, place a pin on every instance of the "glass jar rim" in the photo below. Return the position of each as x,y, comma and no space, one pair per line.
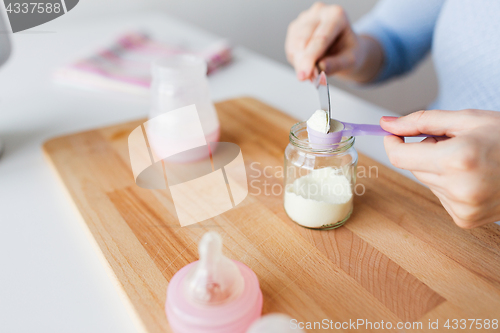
346,143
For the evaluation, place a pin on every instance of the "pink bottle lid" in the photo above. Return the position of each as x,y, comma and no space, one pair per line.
214,294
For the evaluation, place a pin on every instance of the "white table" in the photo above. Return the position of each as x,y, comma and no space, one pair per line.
51,277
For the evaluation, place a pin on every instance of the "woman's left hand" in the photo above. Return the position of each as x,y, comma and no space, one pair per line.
463,170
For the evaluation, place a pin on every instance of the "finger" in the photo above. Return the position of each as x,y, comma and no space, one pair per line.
333,21
464,215
299,33
417,156
436,184
314,74
446,205
432,122
333,64
430,179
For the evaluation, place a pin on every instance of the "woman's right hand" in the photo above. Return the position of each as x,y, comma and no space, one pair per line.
322,36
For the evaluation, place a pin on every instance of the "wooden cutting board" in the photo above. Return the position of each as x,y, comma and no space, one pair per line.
399,257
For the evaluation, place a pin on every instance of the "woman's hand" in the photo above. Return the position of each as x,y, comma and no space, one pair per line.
323,36
463,170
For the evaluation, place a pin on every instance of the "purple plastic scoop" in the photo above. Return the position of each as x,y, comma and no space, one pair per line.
348,130
338,129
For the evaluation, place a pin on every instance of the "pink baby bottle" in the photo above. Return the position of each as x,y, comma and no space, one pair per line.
214,294
179,81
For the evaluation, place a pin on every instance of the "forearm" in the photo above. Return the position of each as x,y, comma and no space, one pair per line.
404,31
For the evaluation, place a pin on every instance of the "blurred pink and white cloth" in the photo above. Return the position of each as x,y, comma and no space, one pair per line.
126,65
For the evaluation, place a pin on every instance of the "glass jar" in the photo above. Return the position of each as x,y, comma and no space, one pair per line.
180,81
319,180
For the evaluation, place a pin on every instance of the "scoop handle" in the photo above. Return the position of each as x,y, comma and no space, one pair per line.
365,129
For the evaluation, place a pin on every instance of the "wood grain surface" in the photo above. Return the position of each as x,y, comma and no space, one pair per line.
399,258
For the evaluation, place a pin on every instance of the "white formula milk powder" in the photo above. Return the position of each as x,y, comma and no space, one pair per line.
322,197
319,122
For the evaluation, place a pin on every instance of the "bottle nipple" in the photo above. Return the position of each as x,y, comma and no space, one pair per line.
214,279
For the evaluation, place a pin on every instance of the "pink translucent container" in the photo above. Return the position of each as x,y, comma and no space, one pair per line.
232,317
179,81
214,294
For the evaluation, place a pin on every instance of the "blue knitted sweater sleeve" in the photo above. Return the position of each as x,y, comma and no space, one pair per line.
404,28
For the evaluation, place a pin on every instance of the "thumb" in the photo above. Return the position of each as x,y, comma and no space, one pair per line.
432,122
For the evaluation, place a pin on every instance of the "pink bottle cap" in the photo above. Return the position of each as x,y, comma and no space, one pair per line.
214,294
